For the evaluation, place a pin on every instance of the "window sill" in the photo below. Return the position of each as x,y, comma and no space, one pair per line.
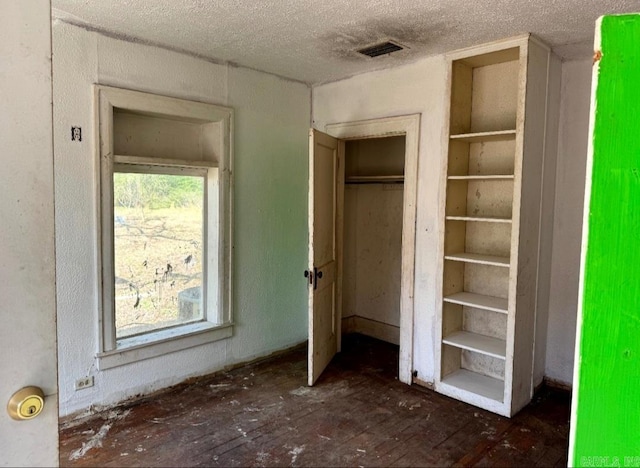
151,345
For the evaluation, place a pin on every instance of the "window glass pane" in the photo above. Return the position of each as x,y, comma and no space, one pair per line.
158,251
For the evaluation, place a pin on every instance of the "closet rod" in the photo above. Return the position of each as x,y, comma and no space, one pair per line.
392,179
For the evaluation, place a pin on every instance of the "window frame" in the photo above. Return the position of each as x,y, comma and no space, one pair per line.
217,321
209,284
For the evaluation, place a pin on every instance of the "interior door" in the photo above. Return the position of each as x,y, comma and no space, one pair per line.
326,179
27,270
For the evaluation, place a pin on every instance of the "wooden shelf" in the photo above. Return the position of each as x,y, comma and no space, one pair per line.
478,384
492,260
483,219
482,177
479,301
120,159
482,344
386,179
485,136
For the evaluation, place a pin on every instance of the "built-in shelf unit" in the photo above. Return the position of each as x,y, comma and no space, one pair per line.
495,149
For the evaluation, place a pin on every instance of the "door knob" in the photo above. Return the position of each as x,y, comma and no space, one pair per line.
26,403
313,274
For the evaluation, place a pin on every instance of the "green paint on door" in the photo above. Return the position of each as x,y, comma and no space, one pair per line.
606,425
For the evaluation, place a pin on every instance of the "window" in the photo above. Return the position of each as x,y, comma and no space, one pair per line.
158,231
165,174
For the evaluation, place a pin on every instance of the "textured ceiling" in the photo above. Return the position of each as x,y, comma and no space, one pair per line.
314,41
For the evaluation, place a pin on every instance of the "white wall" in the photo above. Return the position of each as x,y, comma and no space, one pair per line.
27,269
373,252
420,87
411,89
270,228
567,231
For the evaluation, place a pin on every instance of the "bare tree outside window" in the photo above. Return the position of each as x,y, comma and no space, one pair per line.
158,246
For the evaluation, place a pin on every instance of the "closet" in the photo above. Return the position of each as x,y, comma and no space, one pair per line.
488,317
362,231
372,239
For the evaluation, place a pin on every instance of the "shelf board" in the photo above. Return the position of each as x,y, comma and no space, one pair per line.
482,344
485,136
484,219
374,179
478,384
492,260
482,177
152,161
479,301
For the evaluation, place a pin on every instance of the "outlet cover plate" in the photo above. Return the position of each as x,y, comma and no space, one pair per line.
84,382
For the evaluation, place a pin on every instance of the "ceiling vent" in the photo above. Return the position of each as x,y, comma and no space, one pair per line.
380,49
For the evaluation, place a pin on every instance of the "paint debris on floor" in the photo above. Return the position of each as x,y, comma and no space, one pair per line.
358,414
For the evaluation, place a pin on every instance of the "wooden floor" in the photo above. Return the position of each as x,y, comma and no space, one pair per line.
357,415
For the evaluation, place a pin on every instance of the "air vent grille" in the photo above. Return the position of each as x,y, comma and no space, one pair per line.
380,49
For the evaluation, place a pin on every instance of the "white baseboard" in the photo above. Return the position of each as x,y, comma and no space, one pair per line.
372,328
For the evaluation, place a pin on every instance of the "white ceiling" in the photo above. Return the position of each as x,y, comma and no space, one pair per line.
315,41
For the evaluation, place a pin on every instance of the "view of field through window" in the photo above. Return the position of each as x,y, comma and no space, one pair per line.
158,251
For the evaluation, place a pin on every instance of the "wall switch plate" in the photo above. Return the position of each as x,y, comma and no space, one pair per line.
85,382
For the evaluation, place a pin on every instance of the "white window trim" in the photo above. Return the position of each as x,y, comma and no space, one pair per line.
217,323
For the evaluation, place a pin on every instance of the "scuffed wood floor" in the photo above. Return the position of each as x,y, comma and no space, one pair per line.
357,415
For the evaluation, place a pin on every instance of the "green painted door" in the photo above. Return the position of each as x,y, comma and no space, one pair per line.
605,427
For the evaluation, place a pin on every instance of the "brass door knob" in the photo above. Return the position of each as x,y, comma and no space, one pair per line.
26,403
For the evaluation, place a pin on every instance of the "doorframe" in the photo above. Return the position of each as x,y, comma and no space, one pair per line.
409,127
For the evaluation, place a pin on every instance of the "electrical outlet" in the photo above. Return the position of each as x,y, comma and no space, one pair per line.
85,382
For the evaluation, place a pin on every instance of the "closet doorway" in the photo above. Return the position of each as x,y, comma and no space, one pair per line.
372,237
362,212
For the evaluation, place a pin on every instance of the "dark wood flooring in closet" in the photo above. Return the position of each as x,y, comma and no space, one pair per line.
358,414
